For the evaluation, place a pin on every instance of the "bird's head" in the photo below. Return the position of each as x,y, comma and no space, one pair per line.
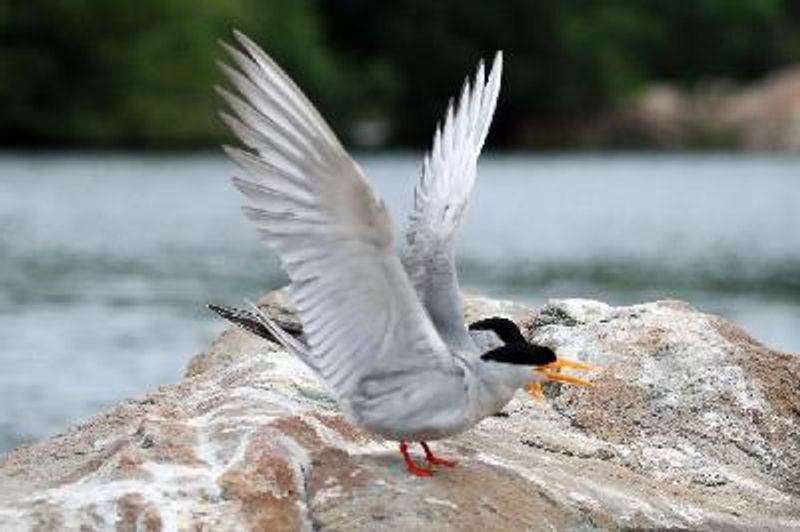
517,354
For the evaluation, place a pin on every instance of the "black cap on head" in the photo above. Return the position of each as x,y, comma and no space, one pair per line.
521,353
506,329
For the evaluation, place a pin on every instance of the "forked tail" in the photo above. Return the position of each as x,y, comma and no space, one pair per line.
243,319
258,323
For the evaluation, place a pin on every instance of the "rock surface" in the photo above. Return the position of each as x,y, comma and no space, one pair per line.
764,115
692,425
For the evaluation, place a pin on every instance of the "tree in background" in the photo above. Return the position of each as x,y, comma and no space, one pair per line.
114,73
119,73
565,59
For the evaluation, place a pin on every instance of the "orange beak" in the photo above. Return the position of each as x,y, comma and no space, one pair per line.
551,373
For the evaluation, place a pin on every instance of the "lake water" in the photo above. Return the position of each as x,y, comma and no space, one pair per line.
106,260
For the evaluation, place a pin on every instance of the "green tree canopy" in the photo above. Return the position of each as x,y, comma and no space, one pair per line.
116,73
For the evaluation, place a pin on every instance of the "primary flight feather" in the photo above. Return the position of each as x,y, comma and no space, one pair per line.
440,199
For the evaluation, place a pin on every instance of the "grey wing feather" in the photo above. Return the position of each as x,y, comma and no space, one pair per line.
310,203
440,199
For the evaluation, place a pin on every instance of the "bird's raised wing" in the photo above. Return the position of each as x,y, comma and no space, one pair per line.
310,203
440,198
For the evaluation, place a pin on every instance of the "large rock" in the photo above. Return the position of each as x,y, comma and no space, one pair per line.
692,425
766,114
762,115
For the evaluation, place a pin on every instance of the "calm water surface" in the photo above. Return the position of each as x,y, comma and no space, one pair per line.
106,260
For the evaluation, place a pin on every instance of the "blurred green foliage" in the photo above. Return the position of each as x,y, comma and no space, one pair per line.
119,73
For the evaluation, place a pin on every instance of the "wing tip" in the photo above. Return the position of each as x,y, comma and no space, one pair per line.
240,36
225,45
221,91
229,71
238,155
254,50
497,66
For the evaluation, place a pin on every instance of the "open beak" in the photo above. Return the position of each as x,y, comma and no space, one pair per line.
552,372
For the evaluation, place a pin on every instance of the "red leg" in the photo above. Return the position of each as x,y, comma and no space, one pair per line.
413,468
436,460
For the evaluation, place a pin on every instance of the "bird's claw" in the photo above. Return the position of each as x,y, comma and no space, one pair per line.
438,460
418,471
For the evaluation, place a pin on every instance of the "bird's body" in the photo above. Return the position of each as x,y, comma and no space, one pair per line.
387,336
435,406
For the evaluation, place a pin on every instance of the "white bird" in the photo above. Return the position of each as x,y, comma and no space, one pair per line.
387,337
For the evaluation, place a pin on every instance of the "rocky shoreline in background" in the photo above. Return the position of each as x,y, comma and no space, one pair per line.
691,425
764,115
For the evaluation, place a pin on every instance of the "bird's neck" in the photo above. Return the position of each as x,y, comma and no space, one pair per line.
495,385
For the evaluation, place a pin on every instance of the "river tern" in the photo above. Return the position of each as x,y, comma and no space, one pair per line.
387,336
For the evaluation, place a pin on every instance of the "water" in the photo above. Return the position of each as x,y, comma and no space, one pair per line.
107,260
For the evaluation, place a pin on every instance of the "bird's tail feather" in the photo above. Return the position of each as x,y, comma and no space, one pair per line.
243,319
258,323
